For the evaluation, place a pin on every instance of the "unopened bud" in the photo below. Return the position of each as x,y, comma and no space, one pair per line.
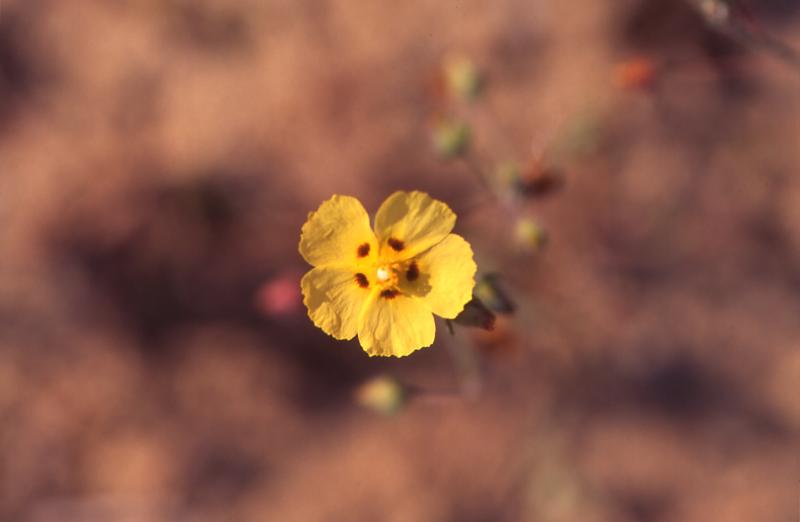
381,394
530,237
490,293
507,173
450,139
637,73
715,11
476,314
462,78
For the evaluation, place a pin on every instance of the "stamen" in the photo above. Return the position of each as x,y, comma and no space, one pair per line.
383,274
413,271
396,244
362,280
363,250
389,293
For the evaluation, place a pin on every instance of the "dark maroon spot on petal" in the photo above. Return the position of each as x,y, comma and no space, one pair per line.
362,280
363,250
413,272
396,244
389,293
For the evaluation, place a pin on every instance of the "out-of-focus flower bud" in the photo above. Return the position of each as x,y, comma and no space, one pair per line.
529,235
715,11
536,180
462,78
539,180
491,294
280,295
381,394
476,314
450,138
638,73
507,173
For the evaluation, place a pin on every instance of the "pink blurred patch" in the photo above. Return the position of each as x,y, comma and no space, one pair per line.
280,296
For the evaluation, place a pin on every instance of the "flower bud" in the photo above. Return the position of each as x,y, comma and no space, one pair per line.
462,78
717,12
539,180
450,138
381,394
529,236
490,293
476,314
280,296
638,73
507,173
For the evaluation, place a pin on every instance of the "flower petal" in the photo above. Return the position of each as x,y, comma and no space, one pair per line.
411,222
446,276
395,325
335,298
338,233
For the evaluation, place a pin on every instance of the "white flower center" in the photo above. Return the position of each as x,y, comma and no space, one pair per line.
383,274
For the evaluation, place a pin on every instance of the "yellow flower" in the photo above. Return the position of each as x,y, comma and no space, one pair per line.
385,286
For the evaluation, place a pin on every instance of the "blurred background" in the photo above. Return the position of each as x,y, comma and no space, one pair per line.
158,158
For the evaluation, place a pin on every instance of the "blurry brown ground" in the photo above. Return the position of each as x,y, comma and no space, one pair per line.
157,159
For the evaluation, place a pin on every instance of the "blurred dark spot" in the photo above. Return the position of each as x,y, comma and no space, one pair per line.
389,293
208,26
413,272
640,265
541,181
174,265
16,74
362,281
644,506
472,510
677,386
396,244
219,475
22,70
363,250
779,11
209,202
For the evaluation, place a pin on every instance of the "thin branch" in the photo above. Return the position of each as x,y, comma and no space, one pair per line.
728,17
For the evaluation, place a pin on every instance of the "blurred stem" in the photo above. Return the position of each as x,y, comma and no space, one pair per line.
466,362
449,324
778,48
471,162
467,365
724,16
